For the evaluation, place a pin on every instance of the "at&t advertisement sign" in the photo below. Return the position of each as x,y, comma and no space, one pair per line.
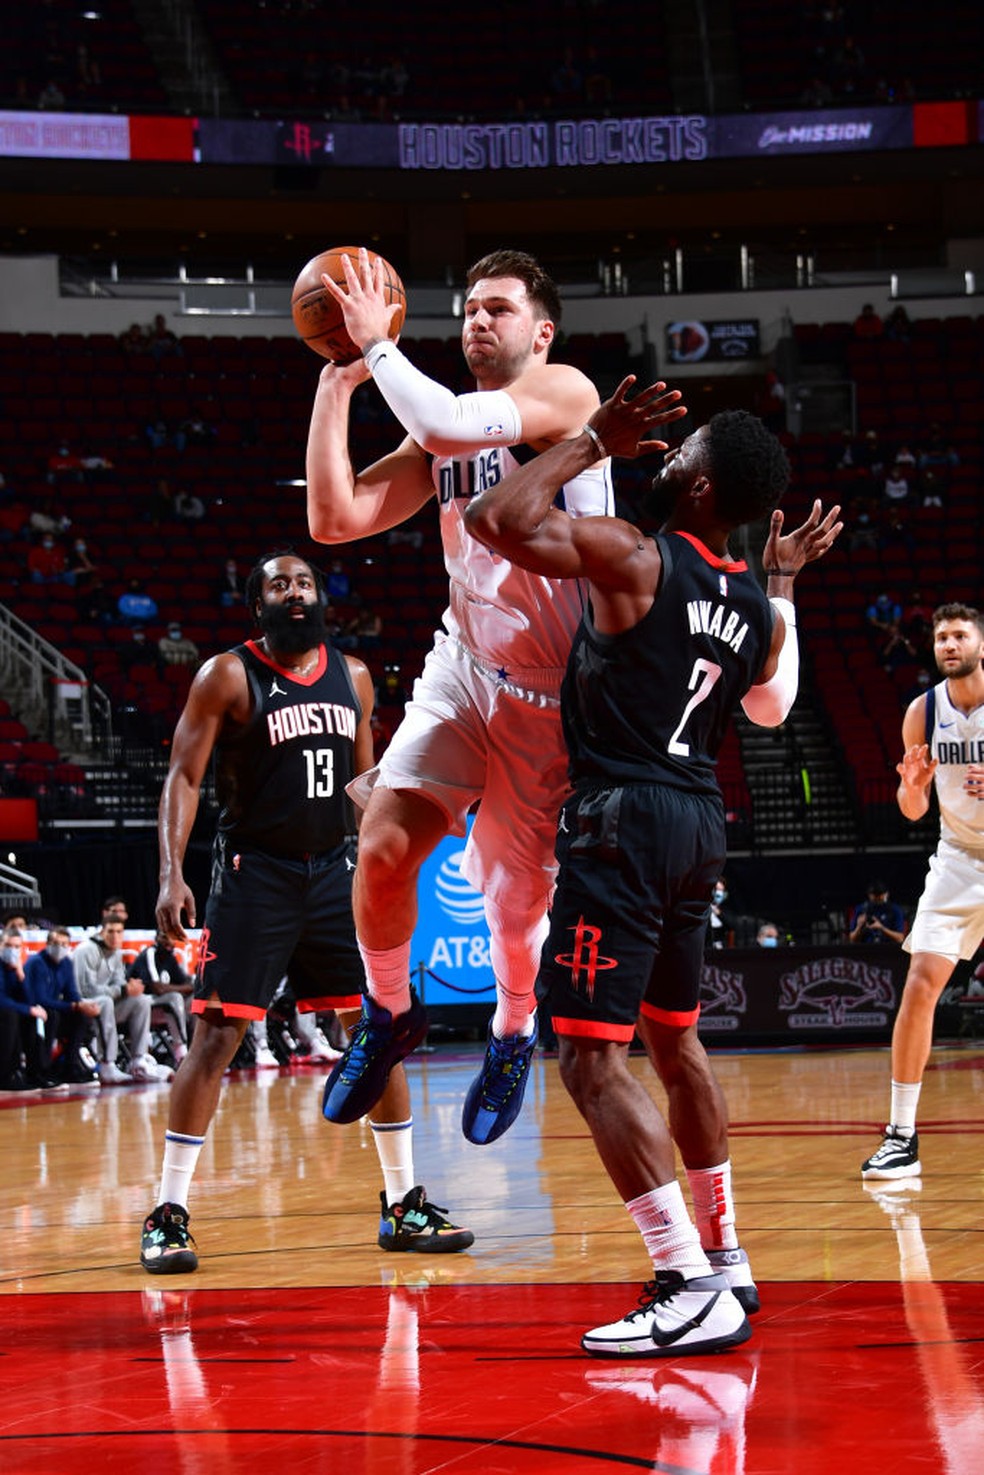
451,939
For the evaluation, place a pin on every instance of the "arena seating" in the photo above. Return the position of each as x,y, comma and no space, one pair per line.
256,394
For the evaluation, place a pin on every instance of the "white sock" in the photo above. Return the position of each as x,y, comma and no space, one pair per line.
388,976
905,1099
180,1160
714,1206
668,1231
394,1148
512,1015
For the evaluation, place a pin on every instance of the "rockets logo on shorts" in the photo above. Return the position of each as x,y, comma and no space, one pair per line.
584,960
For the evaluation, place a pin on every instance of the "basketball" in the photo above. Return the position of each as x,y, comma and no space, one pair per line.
317,316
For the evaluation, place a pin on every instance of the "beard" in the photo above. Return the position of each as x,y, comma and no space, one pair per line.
289,635
967,667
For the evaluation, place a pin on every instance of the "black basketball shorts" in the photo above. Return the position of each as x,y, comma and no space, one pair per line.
268,917
629,915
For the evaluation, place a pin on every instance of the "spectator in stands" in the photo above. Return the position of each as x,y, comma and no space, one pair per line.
114,909
897,325
50,979
896,488
135,606
160,504
123,1004
873,454
161,342
177,649
230,587
46,518
51,99
877,920
188,507
337,582
884,614
365,630
160,435
767,935
47,561
134,341
170,988
81,570
935,460
863,524
721,921
868,324
917,624
884,618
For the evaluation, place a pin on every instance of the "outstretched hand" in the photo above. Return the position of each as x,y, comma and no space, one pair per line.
786,555
621,424
917,766
363,302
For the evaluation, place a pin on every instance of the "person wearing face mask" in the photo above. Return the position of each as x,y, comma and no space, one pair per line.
50,980
46,561
721,919
768,935
21,1019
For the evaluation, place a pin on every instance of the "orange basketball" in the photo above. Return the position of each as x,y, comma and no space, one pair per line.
317,316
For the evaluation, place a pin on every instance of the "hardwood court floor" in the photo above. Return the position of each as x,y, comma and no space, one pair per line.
299,1340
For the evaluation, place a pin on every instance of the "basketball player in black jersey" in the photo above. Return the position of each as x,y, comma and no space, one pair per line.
287,718
677,633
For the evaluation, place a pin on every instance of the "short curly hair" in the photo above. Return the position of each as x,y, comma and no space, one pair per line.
747,466
947,612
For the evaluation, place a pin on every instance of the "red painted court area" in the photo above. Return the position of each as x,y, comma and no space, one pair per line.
413,1378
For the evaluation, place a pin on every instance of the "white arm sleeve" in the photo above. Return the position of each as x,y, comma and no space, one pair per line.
442,422
769,704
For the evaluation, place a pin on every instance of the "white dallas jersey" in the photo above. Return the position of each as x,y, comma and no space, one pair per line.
518,623
956,739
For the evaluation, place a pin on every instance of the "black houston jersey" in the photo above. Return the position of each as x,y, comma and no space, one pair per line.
652,704
281,779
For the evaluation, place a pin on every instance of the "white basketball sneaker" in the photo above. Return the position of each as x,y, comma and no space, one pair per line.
674,1318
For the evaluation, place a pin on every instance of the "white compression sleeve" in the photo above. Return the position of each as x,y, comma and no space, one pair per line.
442,422
769,704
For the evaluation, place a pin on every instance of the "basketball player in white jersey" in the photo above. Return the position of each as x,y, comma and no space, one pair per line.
943,740
484,722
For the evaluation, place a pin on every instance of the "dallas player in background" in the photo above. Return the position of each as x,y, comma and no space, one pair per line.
943,743
483,722
676,634
287,718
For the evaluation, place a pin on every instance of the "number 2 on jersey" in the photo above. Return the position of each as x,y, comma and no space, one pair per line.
320,764
707,673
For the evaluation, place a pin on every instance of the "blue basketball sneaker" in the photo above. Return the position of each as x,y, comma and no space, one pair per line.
378,1042
495,1096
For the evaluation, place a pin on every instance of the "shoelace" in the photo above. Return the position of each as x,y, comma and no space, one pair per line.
506,1077
655,1292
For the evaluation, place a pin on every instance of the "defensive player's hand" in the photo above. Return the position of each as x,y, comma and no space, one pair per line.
786,554
622,424
364,306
